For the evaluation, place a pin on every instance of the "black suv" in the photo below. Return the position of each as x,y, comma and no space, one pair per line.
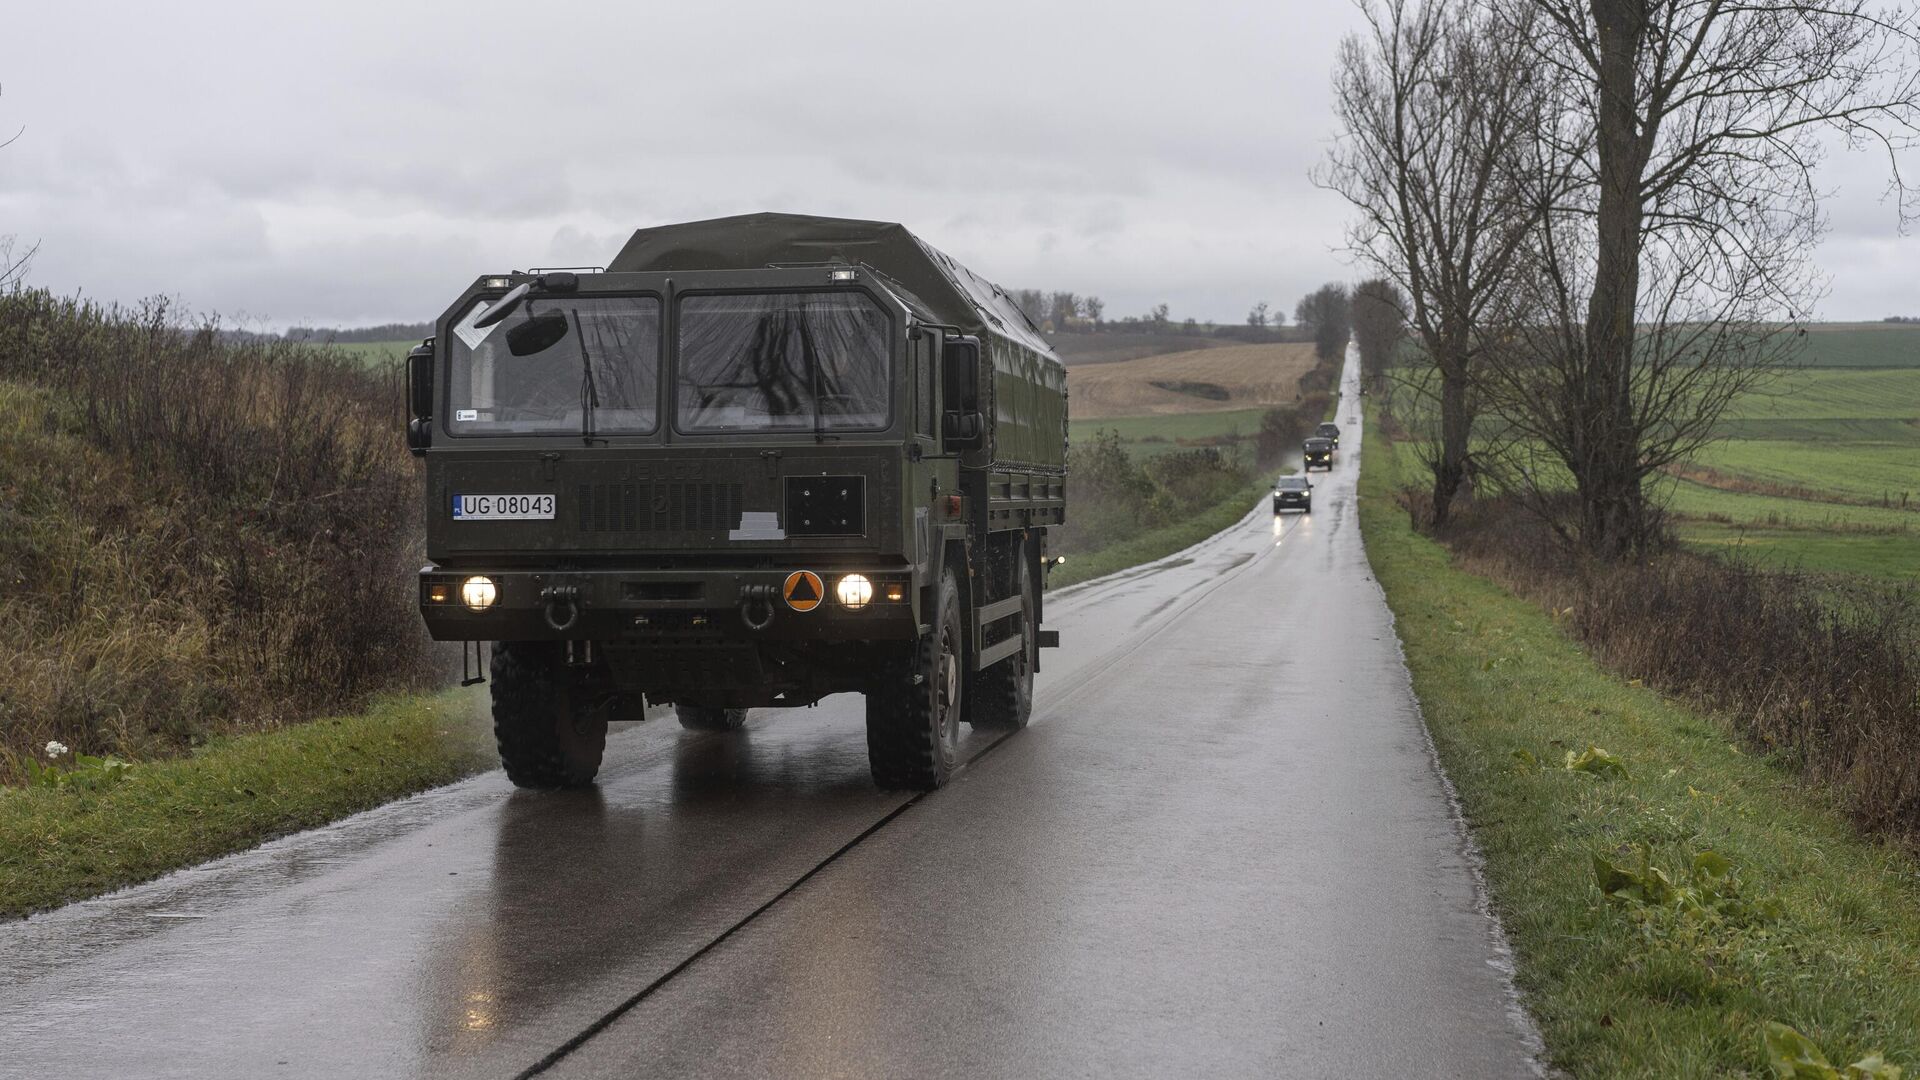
1317,451
1331,432
1293,492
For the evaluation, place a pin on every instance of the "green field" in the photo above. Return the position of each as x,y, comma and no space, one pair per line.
1821,467
372,352
1861,345
1150,436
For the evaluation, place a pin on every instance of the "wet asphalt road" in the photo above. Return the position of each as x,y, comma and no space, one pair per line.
1222,849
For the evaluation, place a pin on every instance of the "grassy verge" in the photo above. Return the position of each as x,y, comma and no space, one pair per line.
1158,543
1809,925
61,844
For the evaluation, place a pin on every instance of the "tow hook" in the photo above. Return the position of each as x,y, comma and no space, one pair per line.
761,596
562,606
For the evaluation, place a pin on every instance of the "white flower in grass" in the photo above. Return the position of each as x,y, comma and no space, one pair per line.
56,748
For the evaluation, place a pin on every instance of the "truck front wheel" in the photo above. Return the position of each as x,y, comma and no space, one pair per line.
913,716
702,718
550,736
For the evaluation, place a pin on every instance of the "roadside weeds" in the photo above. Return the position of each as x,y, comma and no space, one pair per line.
64,842
1670,897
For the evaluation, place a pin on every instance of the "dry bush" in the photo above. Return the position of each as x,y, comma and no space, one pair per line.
1822,669
202,537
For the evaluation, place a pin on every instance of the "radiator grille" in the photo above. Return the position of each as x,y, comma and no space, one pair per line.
663,507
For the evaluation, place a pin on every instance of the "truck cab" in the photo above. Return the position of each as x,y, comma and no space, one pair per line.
753,462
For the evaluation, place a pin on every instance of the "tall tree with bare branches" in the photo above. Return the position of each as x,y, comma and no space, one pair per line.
1430,105
1671,275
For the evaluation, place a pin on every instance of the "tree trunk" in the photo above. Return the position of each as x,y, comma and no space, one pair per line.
1607,456
1456,428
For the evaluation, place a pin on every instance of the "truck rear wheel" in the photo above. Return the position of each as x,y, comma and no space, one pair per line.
702,718
549,735
913,717
1003,693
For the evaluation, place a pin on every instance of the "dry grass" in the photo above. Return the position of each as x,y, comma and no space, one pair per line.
1216,379
1822,671
197,538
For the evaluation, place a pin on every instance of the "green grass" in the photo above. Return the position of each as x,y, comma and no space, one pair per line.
1620,991
1891,555
1698,501
1861,345
1149,436
1869,472
59,844
1158,543
1815,394
374,352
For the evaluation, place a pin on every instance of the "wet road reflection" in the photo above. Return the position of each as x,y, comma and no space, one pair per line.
1210,832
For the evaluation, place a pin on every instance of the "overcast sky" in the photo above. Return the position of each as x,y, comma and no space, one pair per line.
353,162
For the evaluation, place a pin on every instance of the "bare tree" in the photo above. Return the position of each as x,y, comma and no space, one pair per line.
1326,313
1431,105
13,268
1061,309
1379,325
1257,317
1671,275
1094,306
1032,303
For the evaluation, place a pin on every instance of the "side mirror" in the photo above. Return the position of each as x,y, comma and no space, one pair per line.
420,398
962,427
506,306
537,334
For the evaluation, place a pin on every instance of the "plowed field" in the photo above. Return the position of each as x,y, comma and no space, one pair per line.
1207,380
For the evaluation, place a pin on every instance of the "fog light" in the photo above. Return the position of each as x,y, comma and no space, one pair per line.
854,591
478,593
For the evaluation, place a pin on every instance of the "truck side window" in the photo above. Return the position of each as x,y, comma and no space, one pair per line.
923,385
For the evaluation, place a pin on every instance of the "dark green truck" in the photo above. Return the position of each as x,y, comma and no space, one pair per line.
753,462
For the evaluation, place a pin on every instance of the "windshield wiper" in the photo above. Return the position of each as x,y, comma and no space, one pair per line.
813,379
589,391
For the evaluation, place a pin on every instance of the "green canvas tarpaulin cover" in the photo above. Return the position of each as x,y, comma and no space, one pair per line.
948,291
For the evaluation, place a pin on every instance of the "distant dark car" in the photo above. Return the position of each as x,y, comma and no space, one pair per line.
1331,432
1318,453
1293,493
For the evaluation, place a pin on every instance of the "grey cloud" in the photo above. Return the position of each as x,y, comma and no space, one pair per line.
361,160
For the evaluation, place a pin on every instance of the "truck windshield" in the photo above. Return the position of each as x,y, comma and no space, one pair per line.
783,362
548,390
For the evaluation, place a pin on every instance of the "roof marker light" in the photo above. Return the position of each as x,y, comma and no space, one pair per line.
844,275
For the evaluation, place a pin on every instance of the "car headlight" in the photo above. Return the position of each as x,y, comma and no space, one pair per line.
478,593
854,591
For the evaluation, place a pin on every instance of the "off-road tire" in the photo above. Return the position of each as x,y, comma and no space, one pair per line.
1309,507
702,718
1003,694
548,736
913,715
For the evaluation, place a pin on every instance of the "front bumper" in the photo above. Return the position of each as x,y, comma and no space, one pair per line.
666,605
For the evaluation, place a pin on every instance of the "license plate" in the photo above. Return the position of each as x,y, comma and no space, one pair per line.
502,507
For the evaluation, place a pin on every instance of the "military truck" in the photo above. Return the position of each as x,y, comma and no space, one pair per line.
754,461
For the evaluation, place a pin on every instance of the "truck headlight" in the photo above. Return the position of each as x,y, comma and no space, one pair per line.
478,593
854,591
